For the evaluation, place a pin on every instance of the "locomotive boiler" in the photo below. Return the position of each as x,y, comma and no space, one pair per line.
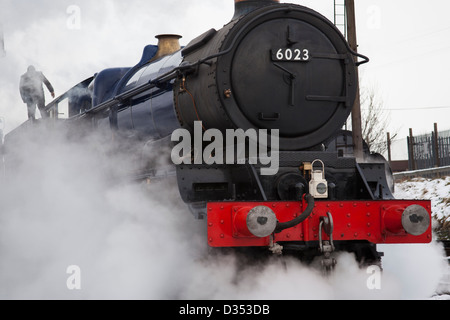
281,69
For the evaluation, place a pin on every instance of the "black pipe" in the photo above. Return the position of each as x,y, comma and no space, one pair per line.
290,224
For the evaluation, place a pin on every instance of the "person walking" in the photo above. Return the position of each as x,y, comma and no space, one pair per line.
32,92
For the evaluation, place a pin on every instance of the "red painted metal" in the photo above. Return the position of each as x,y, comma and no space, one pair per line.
240,221
374,221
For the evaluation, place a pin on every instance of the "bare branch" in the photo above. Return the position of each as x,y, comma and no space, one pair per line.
375,121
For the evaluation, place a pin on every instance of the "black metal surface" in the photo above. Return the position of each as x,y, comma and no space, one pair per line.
199,183
347,180
199,42
288,185
373,176
260,87
343,142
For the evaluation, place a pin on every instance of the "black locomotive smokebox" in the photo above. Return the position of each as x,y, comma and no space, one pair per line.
291,71
273,79
282,67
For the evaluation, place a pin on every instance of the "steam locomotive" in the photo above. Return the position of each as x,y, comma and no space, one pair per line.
280,71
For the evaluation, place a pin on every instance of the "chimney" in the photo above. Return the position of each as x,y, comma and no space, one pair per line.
242,7
167,44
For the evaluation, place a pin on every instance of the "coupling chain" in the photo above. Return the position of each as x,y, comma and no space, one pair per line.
327,247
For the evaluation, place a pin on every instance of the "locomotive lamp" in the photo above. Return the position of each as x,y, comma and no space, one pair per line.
318,186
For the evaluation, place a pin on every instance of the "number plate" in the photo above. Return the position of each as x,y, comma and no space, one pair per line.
290,54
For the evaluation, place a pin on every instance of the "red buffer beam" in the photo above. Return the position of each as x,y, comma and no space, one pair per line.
232,224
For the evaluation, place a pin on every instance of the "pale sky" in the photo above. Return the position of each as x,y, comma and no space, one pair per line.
408,43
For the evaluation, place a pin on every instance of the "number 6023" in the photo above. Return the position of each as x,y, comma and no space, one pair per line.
290,54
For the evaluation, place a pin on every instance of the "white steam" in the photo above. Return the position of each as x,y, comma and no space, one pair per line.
60,208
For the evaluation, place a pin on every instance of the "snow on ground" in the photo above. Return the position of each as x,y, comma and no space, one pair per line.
438,191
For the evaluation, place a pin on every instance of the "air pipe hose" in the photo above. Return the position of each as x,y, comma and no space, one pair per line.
290,224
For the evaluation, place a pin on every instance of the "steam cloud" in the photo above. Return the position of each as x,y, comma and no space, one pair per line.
133,241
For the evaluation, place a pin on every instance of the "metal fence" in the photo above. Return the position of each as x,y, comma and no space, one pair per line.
429,150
